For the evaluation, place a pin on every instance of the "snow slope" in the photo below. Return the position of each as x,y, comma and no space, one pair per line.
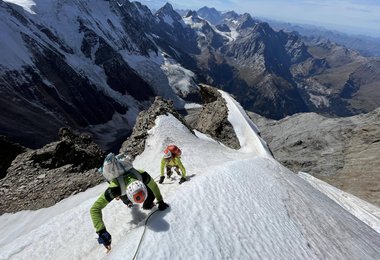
237,204
368,213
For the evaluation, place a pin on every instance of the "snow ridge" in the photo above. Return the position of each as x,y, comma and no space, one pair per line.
240,204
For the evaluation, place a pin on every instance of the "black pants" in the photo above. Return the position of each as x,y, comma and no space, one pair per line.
149,200
169,170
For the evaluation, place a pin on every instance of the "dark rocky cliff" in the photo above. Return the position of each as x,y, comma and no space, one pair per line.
40,178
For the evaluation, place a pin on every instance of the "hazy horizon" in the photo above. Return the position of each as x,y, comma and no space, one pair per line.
345,16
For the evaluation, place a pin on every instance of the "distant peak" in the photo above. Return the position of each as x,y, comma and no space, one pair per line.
231,14
263,28
167,10
191,13
246,16
167,7
205,8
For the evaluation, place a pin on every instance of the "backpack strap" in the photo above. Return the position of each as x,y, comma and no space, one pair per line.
135,173
121,182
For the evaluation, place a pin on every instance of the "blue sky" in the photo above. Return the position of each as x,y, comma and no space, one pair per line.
355,17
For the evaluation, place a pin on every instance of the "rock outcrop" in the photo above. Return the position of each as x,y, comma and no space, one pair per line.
40,178
213,118
135,144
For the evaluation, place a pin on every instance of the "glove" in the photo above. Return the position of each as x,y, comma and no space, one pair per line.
104,238
129,204
183,179
161,179
126,201
162,205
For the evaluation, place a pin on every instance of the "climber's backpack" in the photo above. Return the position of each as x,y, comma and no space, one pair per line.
176,152
116,167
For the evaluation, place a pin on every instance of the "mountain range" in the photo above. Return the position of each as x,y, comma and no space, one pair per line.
366,45
94,66
330,78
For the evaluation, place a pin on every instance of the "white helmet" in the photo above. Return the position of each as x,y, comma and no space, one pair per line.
167,153
137,192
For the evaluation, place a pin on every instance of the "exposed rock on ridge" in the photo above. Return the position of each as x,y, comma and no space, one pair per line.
213,119
135,144
40,178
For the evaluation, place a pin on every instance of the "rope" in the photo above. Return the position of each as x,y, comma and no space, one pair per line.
143,234
146,221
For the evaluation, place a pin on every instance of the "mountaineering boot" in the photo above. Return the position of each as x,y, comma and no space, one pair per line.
183,179
161,179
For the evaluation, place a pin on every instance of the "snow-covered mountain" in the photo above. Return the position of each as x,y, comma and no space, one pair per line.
250,60
94,65
237,204
81,64
273,72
